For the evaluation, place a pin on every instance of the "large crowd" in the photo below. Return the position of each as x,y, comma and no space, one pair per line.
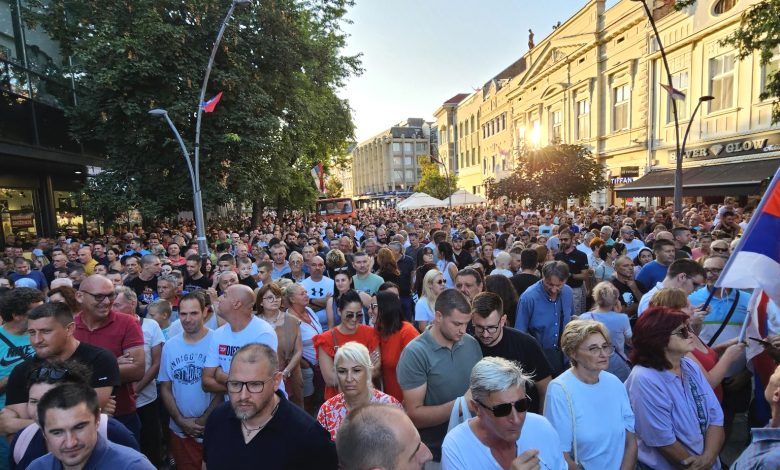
467,338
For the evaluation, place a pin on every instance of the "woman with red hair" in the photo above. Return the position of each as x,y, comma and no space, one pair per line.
679,422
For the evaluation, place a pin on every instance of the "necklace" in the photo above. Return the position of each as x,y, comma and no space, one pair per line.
275,321
248,431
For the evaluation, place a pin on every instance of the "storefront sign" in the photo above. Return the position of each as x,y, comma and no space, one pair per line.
734,148
22,220
629,171
622,180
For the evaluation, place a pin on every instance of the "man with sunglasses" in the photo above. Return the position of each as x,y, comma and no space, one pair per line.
503,434
685,274
259,426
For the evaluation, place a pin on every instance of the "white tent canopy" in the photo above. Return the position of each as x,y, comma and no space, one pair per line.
462,197
420,201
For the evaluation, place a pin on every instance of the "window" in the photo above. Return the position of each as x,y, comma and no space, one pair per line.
722,82
407,161
680,83
421,148
398,175
443,134
503,121
473,156
723,6
520,134
583,119
770,69
396,147
620,100
397,162
484,167
557,125
468,158
472,124
408,148
409,176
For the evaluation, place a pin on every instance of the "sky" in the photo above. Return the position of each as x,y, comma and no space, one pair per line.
416,54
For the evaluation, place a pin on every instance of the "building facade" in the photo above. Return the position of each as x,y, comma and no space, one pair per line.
41,168
386,164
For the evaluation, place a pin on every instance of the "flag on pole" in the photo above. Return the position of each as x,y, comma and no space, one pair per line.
673,92
319,177
208,106
755,262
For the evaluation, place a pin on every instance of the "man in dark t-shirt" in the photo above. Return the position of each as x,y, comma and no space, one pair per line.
194,278
526,277
496,339
145,285
577,261
631,290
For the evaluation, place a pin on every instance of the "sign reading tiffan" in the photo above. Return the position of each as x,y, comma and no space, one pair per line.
733,148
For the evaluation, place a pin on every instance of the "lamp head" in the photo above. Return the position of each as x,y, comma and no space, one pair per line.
706,98
158,112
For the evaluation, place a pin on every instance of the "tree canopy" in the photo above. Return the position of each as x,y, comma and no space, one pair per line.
550,175
433,182
279,66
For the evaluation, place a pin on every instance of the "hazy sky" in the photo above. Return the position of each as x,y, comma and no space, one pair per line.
419,53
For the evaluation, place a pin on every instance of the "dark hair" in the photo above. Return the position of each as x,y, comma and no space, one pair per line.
658,244
502,241
685,266
67,396
471,272
389,318
620,247
196,295
387,286
18,301
419,275
57,310
420,253
502,286
529,259
55,371
227,257
445,252
486,303
636,258
450,300
261,293
348,297
604,251
194,258
67,293
651,336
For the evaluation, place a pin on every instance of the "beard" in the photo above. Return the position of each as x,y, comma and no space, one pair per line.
245,410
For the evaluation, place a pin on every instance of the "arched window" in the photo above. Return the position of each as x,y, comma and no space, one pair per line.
722,6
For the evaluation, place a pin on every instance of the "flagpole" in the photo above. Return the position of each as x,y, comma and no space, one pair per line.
751,225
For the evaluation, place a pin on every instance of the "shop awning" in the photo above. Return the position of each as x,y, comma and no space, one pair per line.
731,179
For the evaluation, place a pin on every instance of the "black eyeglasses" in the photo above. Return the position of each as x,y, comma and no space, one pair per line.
491,330
50,373
99,298
499,411
683,333
255,386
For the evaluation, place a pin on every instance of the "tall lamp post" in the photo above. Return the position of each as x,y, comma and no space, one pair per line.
194,167
446,174
678,176
702,99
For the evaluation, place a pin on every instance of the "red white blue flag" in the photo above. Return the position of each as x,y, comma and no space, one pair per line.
208,106
319,177
755,264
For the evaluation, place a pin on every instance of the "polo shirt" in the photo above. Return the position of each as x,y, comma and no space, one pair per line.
445,371
763,451
118,334
105,455
291,440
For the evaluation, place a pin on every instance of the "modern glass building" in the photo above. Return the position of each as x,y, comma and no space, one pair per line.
41,168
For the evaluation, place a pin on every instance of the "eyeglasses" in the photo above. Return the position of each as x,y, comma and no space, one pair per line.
255,386
499,411
48,373
491,330
720,250
683,333
99,298
271,298
596,350
440,282
353,315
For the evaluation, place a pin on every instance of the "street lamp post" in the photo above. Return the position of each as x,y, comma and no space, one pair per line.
690,122
678,177
194,167
446,174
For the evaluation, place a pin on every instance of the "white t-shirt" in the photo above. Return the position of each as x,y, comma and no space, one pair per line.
601,430
308,332
644,302
319,290
632,249
176,328
462,449
182,365
422,311
153,336
225,342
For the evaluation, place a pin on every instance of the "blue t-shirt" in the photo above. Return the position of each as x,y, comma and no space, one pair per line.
652,273
12,356
37,276
105,455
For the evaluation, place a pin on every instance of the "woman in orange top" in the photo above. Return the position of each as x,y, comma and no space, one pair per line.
394,335
350,329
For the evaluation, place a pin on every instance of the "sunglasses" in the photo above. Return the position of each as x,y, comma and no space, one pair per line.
720,250
683,333
499,411
352,316
52,373
441,281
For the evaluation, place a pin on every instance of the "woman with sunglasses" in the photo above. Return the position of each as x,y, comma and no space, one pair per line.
591,436
503,434
351,328
342,279
433,284
353,370
679,422
394,335
288,332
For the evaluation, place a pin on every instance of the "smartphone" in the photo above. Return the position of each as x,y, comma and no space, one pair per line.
762,342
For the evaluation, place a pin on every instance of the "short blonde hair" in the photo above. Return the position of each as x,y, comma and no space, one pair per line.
356,353
578,331
503,260
670,297
605,294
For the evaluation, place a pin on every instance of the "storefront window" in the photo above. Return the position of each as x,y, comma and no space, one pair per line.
17,212
68,210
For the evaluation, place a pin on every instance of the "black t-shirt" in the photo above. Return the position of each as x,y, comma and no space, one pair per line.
627,297
406,266
523,348
145,290
523,281
291,440
191,284
577,261
101,362
596,225
463,259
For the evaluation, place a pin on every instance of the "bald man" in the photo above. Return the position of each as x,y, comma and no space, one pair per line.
242,328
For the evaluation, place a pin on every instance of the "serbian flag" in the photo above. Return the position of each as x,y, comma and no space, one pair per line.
673,92
756,261
319,177
757,326
208,106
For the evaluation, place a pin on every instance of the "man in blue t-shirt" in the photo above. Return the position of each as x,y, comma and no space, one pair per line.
14,340
655,271
22,270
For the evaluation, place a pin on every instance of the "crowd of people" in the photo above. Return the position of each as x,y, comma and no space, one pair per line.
489,337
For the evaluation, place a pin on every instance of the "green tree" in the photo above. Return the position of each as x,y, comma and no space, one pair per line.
550,175
433,182
279,65
334,187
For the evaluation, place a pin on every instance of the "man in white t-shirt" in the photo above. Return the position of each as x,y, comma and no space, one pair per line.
242,328
318,287
498,394
181,367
